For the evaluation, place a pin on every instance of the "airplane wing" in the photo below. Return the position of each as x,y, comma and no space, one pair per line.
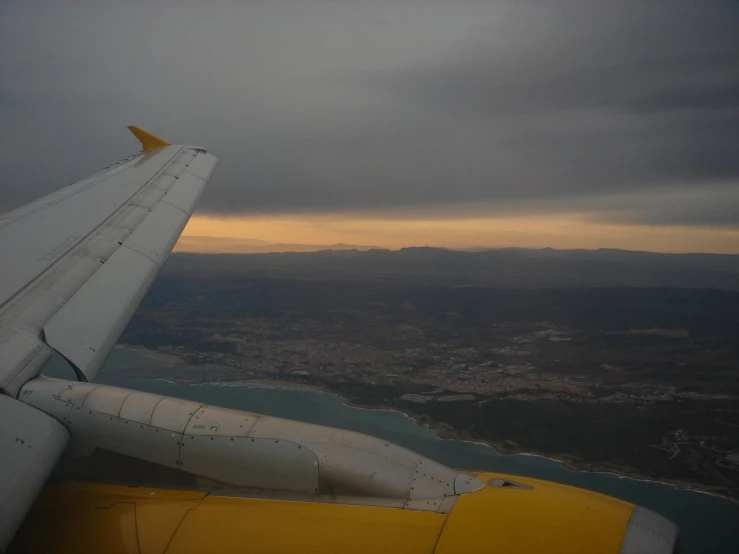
75,266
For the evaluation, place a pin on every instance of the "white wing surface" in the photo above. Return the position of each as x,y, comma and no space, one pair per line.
76,263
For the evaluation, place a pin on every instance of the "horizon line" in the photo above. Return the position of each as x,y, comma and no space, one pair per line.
315,248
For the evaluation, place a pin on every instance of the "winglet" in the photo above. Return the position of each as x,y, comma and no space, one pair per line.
147,140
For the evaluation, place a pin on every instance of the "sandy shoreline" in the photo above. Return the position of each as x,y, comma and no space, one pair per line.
158,355
270,384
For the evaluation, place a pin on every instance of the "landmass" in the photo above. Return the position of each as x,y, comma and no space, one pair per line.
632,368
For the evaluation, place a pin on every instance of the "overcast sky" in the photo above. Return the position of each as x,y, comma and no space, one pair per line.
626,110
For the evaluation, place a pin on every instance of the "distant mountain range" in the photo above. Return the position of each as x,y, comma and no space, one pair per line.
218,245
227,245
508,267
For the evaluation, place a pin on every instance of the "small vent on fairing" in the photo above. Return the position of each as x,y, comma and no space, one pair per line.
507,484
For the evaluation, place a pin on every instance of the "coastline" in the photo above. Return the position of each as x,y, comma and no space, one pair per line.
446,432
443,430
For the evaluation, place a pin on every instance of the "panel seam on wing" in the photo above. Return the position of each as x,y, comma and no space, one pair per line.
47,270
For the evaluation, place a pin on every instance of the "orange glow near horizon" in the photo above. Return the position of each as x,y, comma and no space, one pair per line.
209,234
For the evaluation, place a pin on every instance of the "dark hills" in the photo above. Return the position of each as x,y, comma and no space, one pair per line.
503,268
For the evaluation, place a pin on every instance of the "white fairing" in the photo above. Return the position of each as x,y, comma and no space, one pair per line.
649,533
30,444
243,449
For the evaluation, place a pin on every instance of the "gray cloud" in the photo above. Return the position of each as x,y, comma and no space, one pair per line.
410,105
714,206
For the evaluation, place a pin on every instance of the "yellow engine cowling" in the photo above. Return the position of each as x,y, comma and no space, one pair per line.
510,514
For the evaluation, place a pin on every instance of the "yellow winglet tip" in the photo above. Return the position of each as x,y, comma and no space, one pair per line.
147,140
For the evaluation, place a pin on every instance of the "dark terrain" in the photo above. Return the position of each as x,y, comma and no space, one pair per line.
613,360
